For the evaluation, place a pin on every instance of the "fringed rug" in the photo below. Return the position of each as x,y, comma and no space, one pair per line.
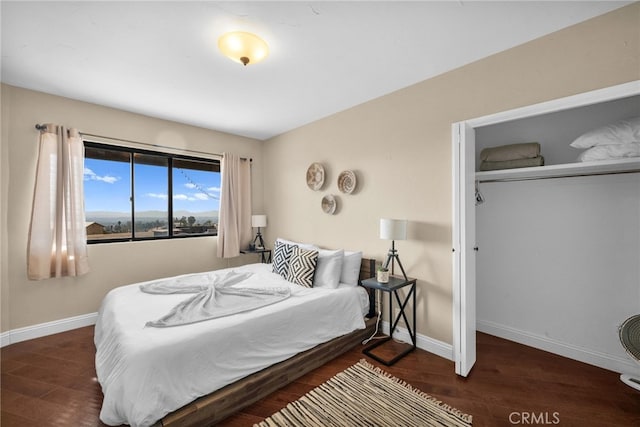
364,395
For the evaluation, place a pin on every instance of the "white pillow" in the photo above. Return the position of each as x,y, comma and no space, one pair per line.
307,246
608,152
621,132
351,268
328,269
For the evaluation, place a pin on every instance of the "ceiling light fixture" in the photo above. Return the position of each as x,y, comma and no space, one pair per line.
243,47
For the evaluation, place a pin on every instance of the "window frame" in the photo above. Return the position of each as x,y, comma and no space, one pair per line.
131,151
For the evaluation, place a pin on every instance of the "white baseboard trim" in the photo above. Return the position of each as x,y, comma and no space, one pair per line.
423,342
48,328
5,338
581,354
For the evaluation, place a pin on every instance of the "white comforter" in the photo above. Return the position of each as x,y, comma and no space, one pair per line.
146,372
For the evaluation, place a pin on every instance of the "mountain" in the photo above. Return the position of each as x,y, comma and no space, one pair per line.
109,218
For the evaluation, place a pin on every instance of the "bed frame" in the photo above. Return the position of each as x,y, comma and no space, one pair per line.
215,407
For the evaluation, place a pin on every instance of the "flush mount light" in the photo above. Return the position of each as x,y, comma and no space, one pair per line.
245,48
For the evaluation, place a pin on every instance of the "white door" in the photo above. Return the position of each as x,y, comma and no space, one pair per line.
464,248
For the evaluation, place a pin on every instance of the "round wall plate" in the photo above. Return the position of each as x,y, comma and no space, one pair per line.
347,182
329,204
315,176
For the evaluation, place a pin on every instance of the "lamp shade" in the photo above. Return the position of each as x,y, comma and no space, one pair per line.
393,229
245,48
258,221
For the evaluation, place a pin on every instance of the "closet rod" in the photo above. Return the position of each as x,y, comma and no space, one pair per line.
43,127
556,176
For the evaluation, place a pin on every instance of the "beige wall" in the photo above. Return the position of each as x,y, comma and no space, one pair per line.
25,302
400,147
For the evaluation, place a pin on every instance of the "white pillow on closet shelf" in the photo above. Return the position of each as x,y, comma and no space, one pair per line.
621,132
351,268
328,269
610,152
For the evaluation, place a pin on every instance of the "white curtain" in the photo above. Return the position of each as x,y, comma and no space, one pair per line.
234,222
57,235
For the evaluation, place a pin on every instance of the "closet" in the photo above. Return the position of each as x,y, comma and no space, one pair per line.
547,256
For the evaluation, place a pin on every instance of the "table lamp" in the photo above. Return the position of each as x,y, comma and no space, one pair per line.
393,229
258,221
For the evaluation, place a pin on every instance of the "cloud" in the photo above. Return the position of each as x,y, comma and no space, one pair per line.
90,175
201,196
157,196
185,197
214,189
190,185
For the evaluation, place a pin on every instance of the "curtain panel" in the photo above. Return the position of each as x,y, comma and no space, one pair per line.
57,244
234,222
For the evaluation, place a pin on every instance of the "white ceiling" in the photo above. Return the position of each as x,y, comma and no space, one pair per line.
161,58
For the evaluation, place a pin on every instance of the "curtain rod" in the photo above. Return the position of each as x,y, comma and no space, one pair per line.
481,181
44,127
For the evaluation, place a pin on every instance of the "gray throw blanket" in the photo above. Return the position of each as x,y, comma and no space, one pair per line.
511,164
527,150
218,298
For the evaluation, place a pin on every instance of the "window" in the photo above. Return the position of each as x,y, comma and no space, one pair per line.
133,194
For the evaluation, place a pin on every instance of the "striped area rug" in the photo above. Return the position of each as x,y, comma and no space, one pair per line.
364,395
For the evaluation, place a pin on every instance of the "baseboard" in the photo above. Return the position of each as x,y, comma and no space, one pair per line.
48,328
423,342
581,354
5,339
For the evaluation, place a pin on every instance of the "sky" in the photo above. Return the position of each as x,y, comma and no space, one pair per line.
107,187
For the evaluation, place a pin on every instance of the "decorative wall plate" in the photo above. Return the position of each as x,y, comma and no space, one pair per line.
347,182
315,176
329,204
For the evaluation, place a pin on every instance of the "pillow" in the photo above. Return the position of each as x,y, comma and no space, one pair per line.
281,255
608,152
308,246
350,273
328,269
302,266
621,132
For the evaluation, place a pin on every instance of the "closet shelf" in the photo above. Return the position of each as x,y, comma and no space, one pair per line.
563,170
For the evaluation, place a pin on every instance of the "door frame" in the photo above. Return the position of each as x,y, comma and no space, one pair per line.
463,198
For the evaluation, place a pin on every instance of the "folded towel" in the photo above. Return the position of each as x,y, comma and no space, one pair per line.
512,164
191,284
527,150
217,298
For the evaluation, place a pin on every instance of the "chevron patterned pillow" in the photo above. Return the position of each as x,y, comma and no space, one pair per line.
302,266
281,256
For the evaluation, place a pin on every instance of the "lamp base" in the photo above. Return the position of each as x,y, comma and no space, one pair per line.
391,257
258,239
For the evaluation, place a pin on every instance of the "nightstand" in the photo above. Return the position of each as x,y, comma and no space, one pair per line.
265,254
395,283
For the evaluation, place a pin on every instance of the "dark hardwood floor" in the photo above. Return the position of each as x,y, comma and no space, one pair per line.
51,381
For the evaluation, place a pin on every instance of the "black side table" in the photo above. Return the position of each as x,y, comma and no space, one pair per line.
265,254
395,283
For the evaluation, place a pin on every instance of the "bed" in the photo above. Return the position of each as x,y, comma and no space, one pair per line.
202,372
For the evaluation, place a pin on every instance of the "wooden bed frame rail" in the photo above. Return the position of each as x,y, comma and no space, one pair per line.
215,407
